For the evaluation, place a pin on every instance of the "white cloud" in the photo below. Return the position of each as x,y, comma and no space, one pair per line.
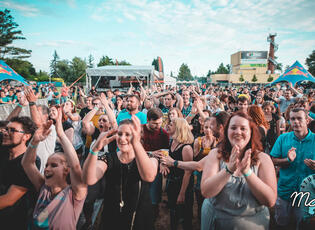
26,10
61,43
206,31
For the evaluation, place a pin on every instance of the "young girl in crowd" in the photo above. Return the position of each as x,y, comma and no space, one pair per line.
60,200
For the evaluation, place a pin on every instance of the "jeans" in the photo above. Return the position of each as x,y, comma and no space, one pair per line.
156,189
205,214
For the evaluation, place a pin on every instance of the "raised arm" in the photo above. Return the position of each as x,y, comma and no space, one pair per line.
147,166
31,97
87,127
29,158
93,169
18,108
110,113
79,188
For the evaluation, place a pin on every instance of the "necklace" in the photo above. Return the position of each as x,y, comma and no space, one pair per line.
122,203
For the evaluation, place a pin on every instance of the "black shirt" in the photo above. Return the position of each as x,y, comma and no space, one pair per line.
12,173
83,112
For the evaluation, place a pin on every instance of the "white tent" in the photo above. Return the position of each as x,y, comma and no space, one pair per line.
140,72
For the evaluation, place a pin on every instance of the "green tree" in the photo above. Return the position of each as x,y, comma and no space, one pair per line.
254,79
123,62
241,79
228,67
53,65
105,60
286,68
310,62
63,70
184,73
8,34
42,76
22,67
90,61
78,67
270,78
222,69
155,63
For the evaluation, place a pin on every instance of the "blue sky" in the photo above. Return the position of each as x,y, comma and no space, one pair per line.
200,33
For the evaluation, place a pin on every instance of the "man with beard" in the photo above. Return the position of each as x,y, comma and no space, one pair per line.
294,153
133,103
154,137
15,197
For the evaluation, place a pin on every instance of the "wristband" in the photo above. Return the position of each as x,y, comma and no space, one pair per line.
249,172
289,159
31,103
176,163
20,105
32,146
228,171
93,153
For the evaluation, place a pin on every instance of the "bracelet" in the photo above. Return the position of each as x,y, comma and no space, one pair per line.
20,105
31,103
176,163
32,146
249,172
289,159
228,171
93,153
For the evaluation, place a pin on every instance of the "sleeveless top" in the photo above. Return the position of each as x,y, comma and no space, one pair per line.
238,205
59,212
176,173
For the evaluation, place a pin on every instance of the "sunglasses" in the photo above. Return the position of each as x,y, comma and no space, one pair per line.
95,104
13,130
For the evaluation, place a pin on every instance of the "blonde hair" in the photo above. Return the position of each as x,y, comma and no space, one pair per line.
182,133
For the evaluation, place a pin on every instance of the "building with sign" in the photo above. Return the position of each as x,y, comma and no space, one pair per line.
247,67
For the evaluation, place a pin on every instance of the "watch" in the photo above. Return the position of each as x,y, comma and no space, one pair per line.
31,103
176,163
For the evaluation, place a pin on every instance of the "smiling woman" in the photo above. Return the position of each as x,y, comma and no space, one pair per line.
239,178
59,203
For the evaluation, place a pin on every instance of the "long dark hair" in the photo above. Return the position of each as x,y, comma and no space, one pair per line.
254,143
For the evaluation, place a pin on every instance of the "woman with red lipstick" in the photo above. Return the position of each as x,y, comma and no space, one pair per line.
239,178
59,203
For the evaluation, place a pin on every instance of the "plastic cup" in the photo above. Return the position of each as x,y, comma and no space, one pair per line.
165,152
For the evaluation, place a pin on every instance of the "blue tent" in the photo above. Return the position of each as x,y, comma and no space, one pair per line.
294,74
6,72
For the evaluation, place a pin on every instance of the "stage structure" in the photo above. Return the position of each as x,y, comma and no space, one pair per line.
109,77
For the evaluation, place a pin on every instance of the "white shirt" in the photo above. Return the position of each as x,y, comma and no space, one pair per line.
46,148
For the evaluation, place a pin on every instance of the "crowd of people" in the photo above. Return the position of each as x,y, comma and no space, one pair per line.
244,154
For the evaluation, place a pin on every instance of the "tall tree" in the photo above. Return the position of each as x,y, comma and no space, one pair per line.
155,63
222,69
310,62
78,67
8,34
90,61
184,73
63,70
105,60
53,65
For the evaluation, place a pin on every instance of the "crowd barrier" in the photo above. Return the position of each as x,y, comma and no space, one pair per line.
6,109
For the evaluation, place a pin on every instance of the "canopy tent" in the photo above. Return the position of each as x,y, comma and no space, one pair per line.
294,74
6,72
122,71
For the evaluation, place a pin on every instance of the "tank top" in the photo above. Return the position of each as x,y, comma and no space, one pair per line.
176,173
238,205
